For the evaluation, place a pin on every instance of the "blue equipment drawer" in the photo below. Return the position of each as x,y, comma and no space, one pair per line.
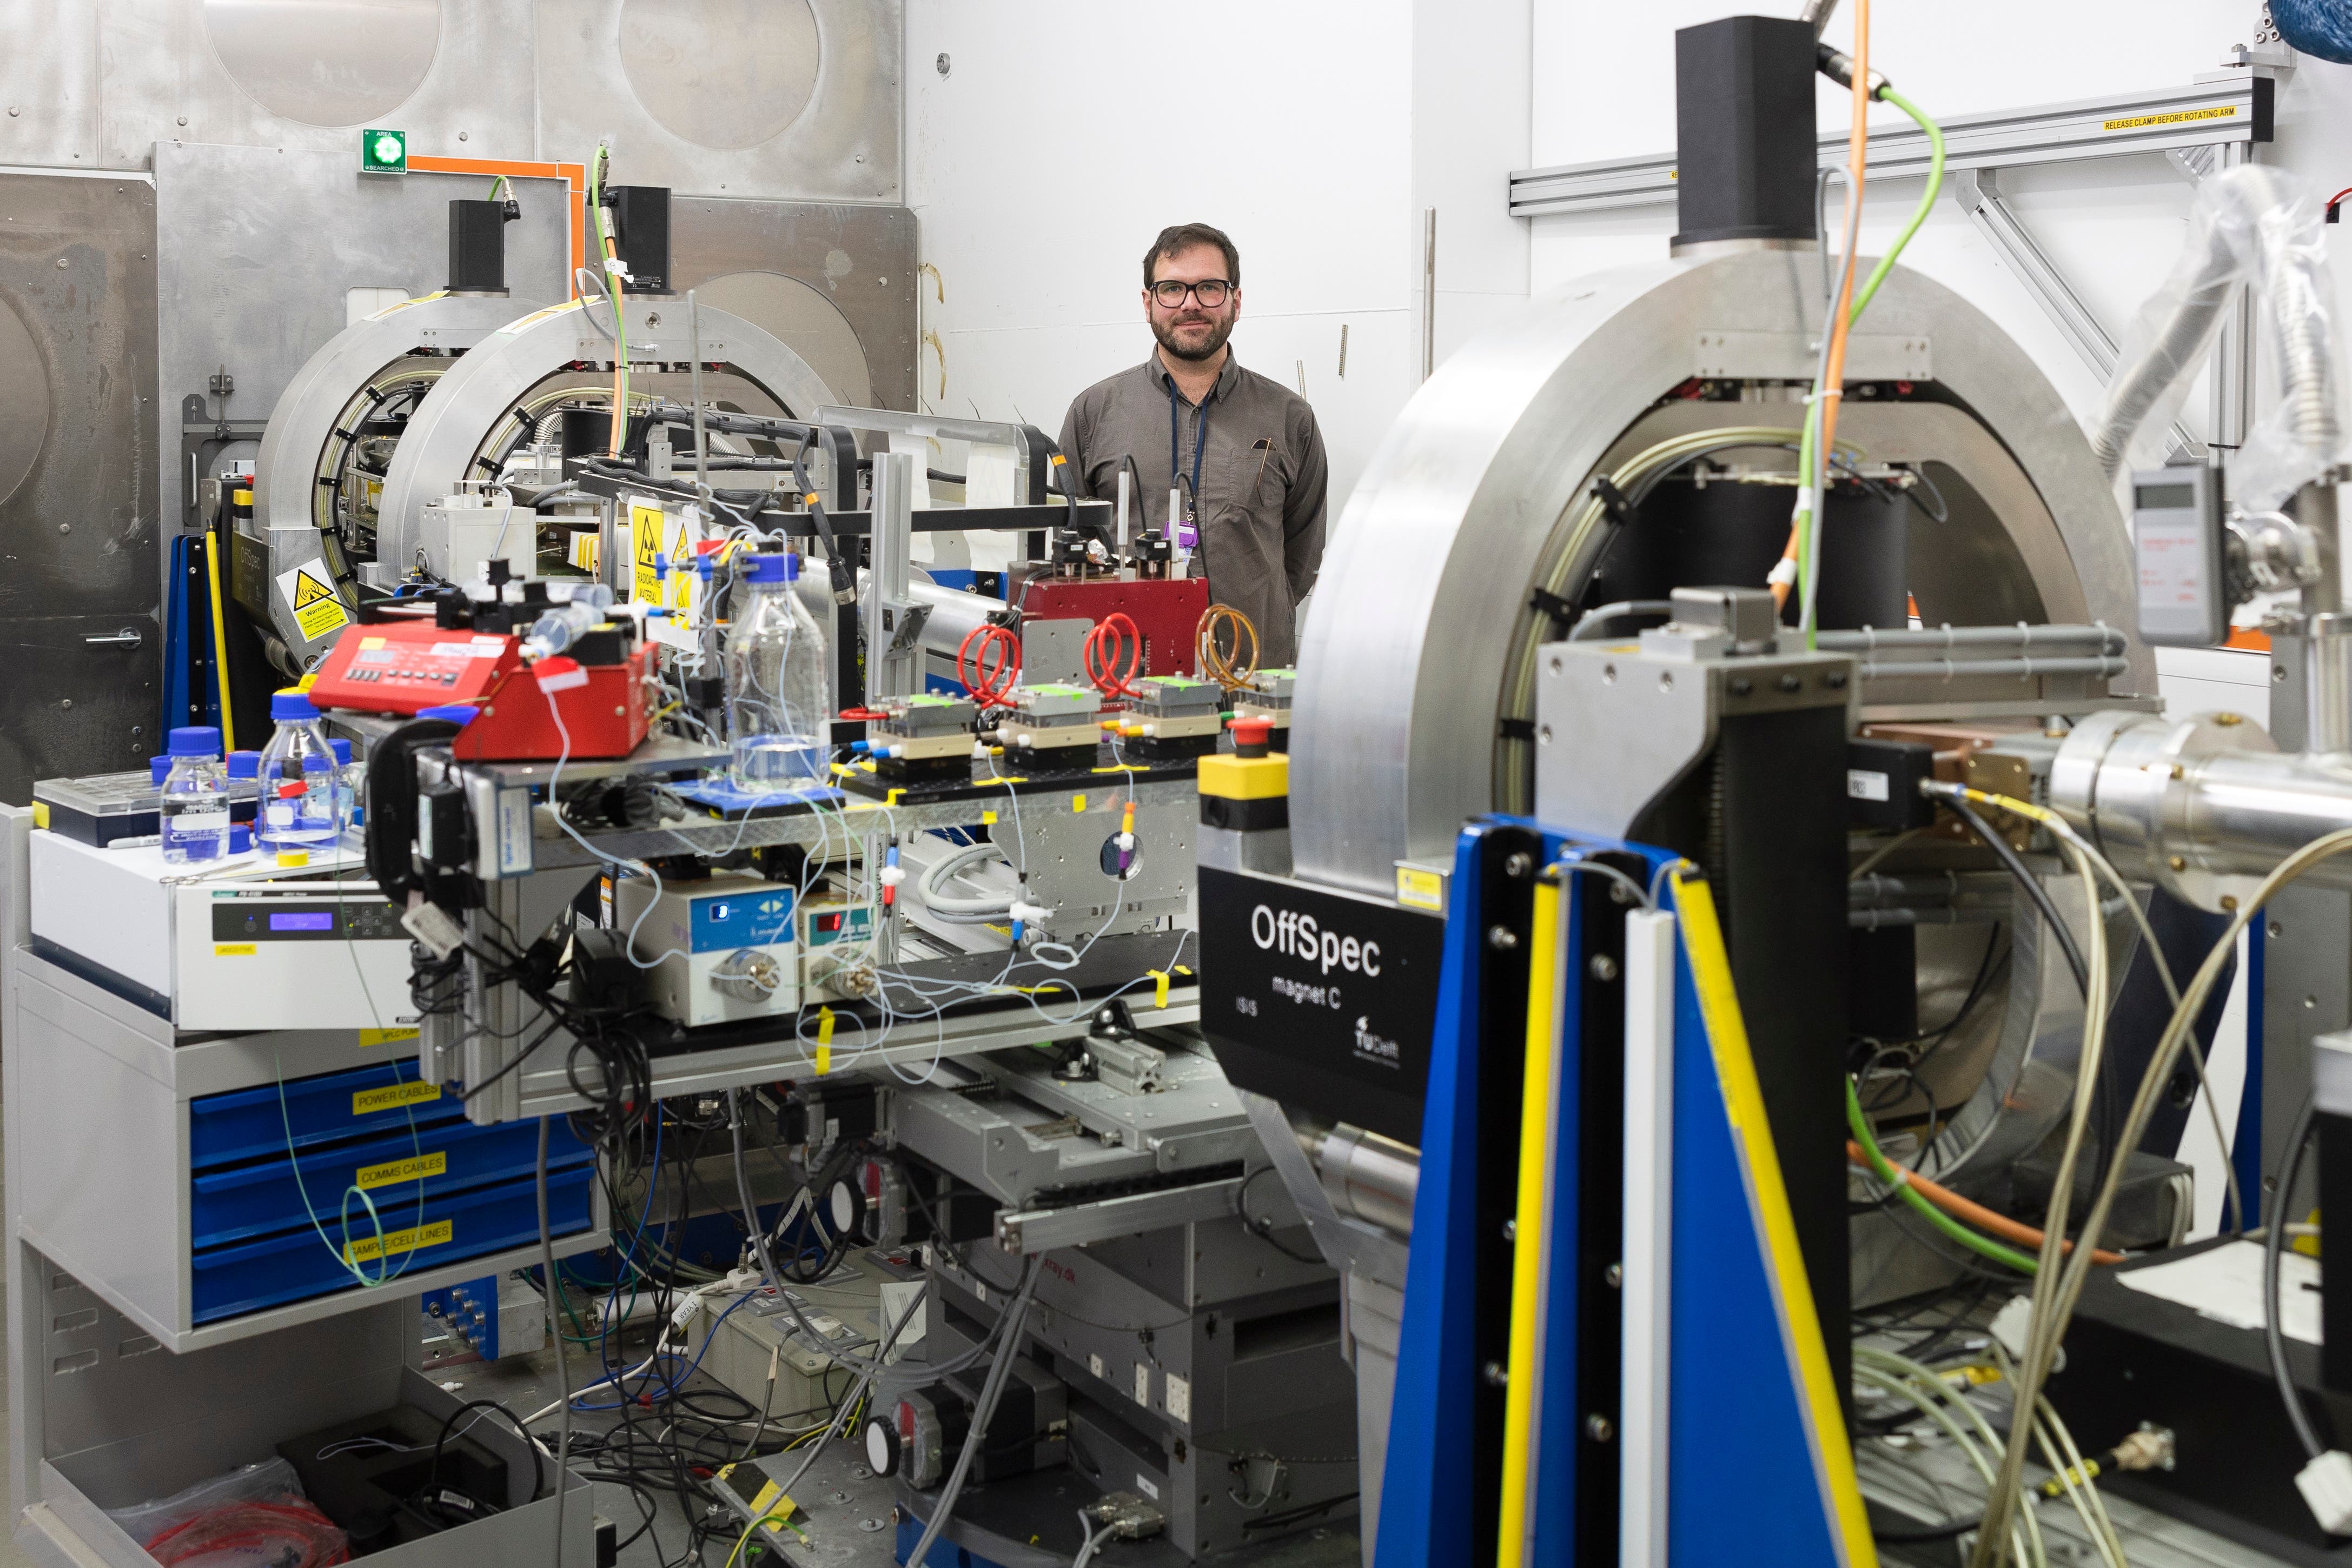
229,1281
359,1102
262,1198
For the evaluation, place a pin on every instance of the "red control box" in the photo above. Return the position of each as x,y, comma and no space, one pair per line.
1166,610
603,715
402,666
406,667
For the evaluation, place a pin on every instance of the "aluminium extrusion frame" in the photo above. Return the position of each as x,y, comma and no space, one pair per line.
2200,114
2204,128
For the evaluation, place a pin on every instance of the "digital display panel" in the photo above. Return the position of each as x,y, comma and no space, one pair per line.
827,923
301,920
2164,497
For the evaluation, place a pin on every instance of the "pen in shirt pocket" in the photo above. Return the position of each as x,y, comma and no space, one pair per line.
1264,451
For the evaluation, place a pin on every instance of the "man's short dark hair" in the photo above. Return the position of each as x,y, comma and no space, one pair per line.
1174,241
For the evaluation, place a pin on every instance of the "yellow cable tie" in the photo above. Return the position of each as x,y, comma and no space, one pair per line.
1159,982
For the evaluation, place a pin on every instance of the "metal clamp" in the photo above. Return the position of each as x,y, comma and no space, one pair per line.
2280,553
902,622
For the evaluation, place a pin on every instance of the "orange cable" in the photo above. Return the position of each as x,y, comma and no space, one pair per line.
573,175
1832,392
1976,1214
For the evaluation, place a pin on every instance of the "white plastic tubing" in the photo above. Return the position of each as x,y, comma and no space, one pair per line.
2256,226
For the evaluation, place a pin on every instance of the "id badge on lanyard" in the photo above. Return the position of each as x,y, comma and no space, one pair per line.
1183,505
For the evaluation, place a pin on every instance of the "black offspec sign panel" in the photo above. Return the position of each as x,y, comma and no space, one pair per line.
1320,1000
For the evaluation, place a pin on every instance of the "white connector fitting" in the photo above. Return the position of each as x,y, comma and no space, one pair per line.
2009,1324
892,875
2327,1486
1126,841
432,926
1030,914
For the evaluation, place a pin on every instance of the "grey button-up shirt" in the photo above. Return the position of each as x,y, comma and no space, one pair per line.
1263,482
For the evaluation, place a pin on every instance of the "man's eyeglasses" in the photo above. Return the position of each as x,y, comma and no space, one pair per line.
1210,291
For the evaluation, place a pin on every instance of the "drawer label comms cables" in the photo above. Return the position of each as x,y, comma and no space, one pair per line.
439,1233
366,1101
413,1168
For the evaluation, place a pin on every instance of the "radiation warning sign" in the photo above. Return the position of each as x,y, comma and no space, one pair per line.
682,577
645,543
312,596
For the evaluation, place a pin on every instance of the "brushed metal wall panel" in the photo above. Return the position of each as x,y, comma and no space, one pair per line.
781,265
259,248
838,141
188,70
775,99
23,401
49,94
78,532
326,62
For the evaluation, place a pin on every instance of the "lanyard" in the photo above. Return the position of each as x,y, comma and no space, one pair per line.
1200,440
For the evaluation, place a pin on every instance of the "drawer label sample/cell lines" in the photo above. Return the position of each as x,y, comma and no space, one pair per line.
413,1168
397,1242
367,1102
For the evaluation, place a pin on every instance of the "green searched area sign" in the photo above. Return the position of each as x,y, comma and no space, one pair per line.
383,151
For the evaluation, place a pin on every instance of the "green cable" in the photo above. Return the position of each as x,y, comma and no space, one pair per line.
583,1336
1805,539
612,290
385,1273
1936,1216
1918,214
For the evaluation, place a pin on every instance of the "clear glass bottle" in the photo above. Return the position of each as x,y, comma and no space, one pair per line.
243,787
299,796
195,797
350,777
779,694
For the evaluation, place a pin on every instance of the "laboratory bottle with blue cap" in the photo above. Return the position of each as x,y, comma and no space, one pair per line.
301,797
194,810
779,694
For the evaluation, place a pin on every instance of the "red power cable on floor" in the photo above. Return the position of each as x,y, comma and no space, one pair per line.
1113,655
293,1533
988,684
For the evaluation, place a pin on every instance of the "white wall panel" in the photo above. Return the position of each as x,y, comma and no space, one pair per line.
1066,135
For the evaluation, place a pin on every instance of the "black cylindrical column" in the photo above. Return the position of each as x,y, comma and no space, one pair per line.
1744,136
477,247
641,235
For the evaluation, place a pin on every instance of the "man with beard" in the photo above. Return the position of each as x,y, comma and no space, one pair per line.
1242,450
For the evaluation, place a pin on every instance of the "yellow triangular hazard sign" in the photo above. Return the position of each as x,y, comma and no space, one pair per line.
309,591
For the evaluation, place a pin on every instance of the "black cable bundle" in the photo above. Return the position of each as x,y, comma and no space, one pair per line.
391,785
843,571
